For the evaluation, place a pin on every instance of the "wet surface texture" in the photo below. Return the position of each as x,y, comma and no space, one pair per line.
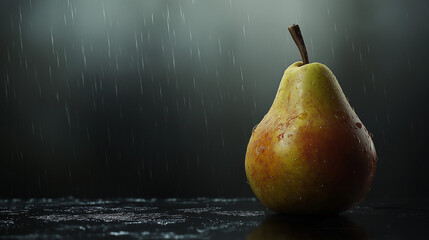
203,218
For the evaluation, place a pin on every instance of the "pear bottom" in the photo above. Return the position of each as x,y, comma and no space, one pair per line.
329,170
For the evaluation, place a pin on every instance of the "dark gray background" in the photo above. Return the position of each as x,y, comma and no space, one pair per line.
158,98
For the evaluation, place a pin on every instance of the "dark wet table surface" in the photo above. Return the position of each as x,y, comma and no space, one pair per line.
204,218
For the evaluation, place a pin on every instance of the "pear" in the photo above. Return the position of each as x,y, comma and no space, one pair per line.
310,154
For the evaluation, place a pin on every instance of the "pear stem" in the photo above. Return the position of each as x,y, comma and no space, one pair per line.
295,31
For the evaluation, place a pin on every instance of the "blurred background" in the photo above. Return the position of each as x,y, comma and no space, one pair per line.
158,98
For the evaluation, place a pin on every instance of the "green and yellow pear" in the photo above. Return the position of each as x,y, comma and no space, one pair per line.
310,154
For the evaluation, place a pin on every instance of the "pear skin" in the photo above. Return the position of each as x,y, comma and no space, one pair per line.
310,154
